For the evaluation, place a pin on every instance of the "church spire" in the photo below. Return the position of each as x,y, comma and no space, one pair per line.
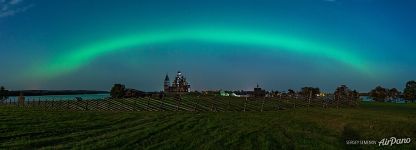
167,77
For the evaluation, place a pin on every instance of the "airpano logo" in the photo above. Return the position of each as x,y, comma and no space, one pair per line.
393,140
383,142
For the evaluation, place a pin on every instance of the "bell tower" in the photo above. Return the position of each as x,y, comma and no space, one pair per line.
166,84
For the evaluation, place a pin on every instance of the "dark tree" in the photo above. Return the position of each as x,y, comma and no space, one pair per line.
133,93
409,92
393,93
343,95
379,94
291,93
275,93
309,91
118,91
355,95
4,94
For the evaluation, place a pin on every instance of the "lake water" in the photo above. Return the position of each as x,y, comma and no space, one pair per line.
63,97
369,99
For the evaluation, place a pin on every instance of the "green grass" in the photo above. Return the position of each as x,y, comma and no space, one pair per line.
316,128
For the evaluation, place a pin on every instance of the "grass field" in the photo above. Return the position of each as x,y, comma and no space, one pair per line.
316,128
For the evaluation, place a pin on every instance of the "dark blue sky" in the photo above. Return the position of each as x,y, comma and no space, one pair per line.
49,44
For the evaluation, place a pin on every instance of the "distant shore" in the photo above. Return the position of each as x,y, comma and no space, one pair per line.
54,92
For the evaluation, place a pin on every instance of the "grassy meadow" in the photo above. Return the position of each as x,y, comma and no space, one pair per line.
300,128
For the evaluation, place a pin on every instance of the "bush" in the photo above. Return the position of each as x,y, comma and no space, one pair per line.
118,91
409,92
4,94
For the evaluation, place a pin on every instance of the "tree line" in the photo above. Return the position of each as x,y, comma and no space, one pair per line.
4,94
341,93
381,94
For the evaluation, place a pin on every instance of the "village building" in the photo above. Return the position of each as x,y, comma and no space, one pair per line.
179,85
258,92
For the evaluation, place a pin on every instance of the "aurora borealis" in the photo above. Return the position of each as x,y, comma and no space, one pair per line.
78,58
217,44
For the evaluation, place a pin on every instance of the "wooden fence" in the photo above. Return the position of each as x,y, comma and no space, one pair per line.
185,103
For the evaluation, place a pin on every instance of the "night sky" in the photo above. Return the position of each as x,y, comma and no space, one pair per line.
217,44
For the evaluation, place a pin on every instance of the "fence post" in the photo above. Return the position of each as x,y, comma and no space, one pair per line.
197,103
245,104
161,103
59,103
148,103
177,103
135,104
46,104
67,104
337,102
212,104
86,105
108,104
277,104
213,108
309,100
229,104
52,104
294,104
196,100
262,104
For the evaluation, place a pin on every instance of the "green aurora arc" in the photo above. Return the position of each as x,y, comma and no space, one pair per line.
69,62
